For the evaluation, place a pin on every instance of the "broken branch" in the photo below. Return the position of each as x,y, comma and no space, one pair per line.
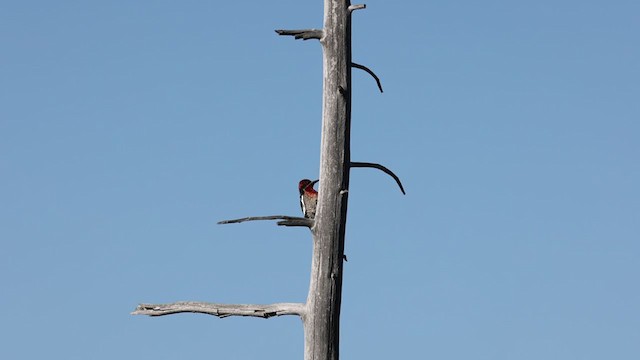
221,310
304,34
379,167
353,8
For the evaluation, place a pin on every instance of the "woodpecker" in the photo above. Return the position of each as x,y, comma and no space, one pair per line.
308,198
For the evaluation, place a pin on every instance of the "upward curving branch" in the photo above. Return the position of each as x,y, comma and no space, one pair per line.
379,167
304,34
370,72
221,310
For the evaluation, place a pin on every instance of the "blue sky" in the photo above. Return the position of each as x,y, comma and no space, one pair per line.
129,128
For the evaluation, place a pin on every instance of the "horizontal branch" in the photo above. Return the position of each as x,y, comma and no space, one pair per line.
362,67
288,220
304,34
221,310
302,222
379,167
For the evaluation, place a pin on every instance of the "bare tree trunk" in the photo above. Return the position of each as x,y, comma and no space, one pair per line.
322,319
321,313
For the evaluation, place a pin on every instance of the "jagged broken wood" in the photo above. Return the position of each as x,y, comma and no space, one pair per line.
370,72
304,34
379,167
221,310
286,220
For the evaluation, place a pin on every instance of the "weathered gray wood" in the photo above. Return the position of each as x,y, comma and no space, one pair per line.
357,7
298,222
221,310
322,318
304,34
287,220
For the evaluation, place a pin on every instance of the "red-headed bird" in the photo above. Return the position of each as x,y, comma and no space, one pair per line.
308,198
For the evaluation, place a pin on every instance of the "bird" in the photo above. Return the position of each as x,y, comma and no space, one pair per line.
308,198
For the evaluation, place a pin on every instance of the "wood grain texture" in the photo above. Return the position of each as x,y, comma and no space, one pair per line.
322,320
221,310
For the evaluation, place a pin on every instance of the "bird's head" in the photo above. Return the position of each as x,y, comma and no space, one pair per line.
306,185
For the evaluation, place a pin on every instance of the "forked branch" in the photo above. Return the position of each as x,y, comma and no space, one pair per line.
287,220
304,34
221,310
379,167
362,67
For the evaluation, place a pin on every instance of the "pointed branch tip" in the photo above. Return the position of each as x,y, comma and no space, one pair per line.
382,168
362,67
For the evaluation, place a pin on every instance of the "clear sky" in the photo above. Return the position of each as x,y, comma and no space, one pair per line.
129,128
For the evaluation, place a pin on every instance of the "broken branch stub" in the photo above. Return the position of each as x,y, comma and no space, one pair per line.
304,34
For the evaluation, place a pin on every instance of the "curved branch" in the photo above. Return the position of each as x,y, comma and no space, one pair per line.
379,167
221,310
362,67
304,34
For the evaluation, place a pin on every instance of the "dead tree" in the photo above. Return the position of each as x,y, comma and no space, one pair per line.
321,312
